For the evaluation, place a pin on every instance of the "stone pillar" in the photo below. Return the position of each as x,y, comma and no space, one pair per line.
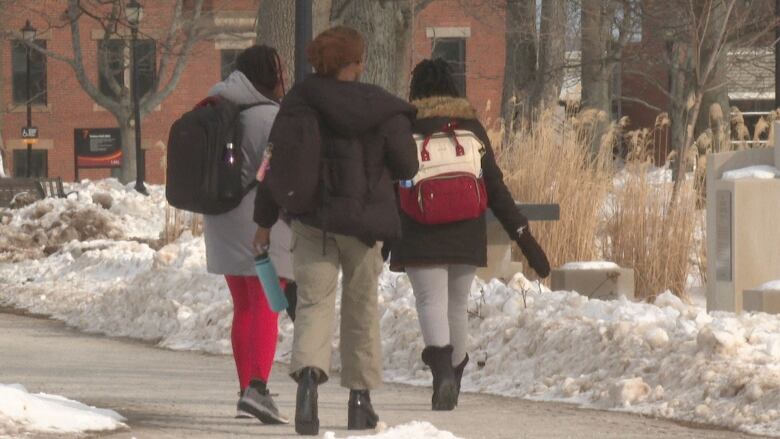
743,237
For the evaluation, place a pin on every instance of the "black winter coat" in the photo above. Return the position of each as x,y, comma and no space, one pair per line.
464,242
367,143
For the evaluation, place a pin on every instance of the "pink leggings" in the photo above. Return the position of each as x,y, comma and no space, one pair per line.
255,329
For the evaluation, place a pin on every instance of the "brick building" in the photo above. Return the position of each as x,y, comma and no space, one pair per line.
472,42
470,34
60,105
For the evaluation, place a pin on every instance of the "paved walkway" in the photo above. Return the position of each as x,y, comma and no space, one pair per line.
167,394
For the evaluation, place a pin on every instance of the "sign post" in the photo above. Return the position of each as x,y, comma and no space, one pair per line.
96,148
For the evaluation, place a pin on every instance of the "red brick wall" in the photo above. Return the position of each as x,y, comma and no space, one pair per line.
70,107
485,53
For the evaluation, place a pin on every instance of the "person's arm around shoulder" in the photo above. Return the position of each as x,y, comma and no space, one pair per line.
502,204
400,148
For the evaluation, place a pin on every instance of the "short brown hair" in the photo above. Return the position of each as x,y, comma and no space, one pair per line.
335,49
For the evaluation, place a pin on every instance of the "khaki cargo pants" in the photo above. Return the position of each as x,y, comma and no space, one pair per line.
317,278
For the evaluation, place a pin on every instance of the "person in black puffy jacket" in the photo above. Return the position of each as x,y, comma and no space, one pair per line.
441,260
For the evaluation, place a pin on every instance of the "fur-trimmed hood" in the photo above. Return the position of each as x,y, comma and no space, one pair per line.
444,106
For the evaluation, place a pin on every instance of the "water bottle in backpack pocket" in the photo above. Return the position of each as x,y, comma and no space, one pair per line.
229,173
270,282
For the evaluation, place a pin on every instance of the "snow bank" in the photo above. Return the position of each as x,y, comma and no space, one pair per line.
762,172
414,429
590,265
99,210
22,413
665,359
770,286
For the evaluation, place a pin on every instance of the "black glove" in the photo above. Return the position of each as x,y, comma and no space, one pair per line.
534,253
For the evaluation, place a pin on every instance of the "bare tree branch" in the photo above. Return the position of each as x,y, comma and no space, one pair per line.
74,13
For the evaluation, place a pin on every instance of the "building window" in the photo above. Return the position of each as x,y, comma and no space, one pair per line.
39,163
453,50
114,61
228,61
37,73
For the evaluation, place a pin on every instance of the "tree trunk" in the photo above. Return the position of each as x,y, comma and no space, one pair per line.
596,18
520,62
321,15
386,26
276,28
552,54
716,85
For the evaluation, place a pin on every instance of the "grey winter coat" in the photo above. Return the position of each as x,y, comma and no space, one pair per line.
229,235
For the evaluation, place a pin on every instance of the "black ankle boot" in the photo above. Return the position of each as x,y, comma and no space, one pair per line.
445,392
361,414
307,421
459,376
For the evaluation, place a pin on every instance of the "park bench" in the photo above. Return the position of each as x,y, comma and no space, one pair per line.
38,188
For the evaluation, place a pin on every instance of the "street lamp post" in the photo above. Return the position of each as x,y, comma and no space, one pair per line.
28,34
134,15
303,30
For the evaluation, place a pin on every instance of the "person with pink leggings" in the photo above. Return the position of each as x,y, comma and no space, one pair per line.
257,83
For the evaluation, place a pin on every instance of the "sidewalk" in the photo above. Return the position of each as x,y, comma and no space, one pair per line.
167,394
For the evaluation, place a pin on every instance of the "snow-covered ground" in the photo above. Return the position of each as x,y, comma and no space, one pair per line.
666,359
23,413
415,429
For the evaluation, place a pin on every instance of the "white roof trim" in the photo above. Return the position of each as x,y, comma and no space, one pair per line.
752,95
448,32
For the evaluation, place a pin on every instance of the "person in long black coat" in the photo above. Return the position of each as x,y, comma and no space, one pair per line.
441,260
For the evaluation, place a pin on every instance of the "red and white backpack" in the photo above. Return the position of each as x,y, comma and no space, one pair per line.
448,186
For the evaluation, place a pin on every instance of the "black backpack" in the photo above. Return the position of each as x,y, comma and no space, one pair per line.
204,158
295,143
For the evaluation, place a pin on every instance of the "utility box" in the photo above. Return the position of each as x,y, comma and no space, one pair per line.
596,283
743,228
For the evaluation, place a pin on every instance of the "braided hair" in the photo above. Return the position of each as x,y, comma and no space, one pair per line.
262,66
432,78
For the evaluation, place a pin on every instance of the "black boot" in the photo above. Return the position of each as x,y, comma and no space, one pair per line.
459,375
306,420
361,414
257,401
445,391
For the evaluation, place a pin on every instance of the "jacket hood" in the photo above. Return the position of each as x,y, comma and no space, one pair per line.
238,89
444,106
352,107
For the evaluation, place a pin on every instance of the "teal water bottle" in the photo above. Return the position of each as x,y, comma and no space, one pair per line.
270,282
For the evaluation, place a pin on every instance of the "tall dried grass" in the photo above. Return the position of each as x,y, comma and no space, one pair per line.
551,163
632,220
177,222
649,230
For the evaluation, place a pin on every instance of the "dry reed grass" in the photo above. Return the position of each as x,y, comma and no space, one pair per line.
636,223
177,222
549,164
649,230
